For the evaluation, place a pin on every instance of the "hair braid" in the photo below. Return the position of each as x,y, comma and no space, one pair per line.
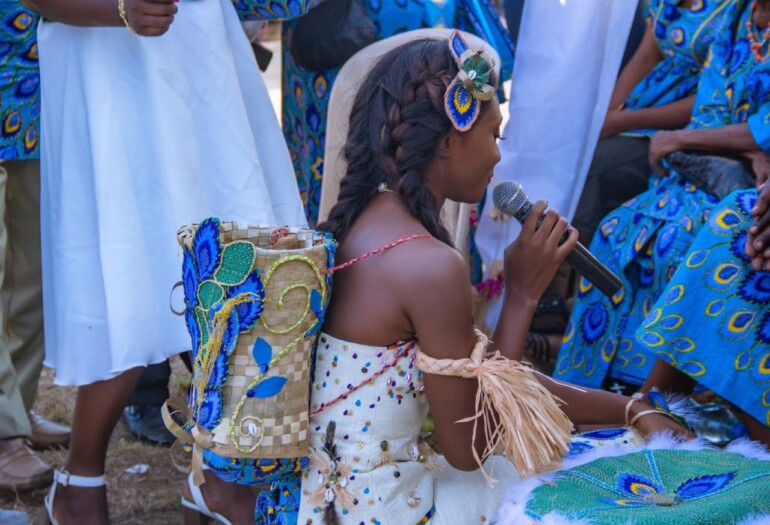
396,124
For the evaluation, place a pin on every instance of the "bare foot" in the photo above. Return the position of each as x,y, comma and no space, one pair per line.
80,505
233,501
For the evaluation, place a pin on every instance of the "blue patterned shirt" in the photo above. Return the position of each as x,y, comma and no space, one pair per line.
683,35
734,88
19,83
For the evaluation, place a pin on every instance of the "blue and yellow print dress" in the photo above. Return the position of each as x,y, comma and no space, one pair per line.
644,240
684,36
19,83
713,320
306,93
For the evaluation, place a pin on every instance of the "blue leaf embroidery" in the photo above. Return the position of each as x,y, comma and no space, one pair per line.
250,311
189,280
230,335
703,485
268,388
207,248
262,353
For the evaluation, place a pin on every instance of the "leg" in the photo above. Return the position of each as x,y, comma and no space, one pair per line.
668,379
22,290
97,409
22,294
20,468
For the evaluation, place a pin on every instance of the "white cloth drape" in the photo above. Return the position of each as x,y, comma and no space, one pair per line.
567,60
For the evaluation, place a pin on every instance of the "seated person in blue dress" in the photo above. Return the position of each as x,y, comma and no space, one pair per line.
644,240
712,324
655,90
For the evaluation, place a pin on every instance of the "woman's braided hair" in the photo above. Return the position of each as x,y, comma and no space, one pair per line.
396,124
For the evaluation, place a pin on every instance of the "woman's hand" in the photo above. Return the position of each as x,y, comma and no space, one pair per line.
655,423
613,124
758,237
150,17
663,143
760,165
531,262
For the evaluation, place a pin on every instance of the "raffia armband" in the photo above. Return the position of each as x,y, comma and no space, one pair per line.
521,419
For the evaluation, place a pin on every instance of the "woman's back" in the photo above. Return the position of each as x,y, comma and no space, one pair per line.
371,296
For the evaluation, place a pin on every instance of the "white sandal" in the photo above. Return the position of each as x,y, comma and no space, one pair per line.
65,479
196,512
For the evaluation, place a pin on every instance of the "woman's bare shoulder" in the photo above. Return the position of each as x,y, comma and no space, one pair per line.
430,262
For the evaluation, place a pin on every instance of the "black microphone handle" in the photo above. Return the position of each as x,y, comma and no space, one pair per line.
592,269
582,261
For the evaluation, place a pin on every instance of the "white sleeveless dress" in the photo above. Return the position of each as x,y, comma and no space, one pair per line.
139,137
374,470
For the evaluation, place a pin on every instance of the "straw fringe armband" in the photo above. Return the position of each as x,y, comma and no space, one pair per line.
521,419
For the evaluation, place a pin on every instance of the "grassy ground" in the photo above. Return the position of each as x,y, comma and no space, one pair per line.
134,499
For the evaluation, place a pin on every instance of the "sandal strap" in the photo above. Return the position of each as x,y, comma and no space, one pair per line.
65,479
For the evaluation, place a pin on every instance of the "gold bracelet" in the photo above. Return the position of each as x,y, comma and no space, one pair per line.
122,12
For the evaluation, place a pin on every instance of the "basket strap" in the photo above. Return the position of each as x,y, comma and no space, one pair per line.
200,438
377,251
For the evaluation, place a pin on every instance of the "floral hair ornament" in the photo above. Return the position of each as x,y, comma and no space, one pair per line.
471,86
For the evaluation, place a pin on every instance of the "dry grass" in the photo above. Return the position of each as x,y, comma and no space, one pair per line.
147,499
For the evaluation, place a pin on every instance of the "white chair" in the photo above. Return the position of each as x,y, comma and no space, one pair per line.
456,216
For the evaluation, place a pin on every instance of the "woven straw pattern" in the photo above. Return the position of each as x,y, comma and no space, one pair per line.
291,264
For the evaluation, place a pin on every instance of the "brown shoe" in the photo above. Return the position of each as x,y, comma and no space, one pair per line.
21,468
47,434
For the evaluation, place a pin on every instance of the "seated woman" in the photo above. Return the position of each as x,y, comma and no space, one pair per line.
398,332
656,90
644,240
712,324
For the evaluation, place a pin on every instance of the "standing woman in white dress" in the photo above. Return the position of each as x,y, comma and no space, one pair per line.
139,136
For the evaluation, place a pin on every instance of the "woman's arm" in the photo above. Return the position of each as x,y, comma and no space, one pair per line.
146,17
645,58
670,116
438,300
734,138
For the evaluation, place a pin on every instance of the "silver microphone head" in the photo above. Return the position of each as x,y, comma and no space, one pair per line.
511,199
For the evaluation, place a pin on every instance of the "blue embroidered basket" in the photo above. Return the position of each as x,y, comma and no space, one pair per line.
254,301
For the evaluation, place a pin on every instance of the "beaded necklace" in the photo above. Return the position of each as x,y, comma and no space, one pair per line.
756,47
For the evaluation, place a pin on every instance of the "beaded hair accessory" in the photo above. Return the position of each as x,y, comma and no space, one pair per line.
470,87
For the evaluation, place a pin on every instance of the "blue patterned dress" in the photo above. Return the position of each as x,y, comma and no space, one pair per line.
713,320
306,93
684,36
19,83
644,240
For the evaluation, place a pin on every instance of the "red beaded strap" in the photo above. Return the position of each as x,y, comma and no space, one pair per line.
403,353
378,250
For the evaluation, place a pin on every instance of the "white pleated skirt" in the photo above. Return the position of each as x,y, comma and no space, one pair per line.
139,137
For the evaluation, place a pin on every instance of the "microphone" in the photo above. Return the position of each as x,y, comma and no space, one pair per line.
511,199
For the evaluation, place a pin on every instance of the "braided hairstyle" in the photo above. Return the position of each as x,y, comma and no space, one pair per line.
396,124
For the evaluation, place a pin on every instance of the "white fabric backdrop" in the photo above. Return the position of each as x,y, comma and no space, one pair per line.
568,56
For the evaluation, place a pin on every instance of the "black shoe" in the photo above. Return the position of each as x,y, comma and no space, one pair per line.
145,423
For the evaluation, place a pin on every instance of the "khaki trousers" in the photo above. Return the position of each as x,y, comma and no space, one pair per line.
21,295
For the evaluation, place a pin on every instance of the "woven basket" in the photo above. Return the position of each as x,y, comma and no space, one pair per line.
254,300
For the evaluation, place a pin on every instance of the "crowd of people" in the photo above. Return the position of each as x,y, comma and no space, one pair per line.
122,122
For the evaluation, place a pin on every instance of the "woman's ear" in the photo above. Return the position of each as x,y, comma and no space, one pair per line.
445,145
